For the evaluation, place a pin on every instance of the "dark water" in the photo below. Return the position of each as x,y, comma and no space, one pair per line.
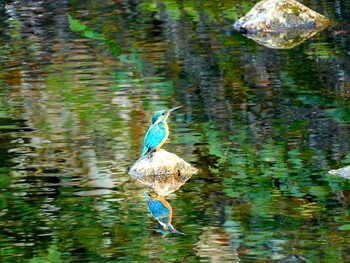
79,83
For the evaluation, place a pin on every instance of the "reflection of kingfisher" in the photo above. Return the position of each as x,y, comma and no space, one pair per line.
158,132
163,213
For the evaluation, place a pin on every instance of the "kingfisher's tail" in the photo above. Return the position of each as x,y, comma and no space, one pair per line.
144,151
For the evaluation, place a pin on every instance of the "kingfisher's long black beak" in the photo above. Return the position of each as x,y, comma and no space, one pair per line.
174,109
179,232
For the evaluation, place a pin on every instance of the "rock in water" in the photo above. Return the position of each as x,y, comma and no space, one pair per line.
279,16
343,172
281,24
161,162
163,171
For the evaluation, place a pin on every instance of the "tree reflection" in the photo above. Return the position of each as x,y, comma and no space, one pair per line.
264,125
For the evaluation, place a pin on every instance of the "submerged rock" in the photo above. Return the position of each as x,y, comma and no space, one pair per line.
343,172
164,172
281,23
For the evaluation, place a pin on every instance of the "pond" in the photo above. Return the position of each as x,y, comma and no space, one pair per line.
80,81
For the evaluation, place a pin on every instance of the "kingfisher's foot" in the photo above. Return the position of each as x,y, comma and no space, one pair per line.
155,150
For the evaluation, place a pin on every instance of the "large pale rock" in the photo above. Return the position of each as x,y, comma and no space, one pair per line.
281,24
343,172
280,15
164,172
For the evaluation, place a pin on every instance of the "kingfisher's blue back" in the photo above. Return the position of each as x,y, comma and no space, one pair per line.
154,137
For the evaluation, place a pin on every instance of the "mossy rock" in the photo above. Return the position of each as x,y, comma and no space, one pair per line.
279,16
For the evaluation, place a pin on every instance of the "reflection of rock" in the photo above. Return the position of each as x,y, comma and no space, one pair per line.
343,172
281,23
285,40
163,171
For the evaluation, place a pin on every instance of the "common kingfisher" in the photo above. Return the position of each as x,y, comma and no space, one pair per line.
158,132
161,210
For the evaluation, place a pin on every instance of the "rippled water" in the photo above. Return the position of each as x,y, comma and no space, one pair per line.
79,84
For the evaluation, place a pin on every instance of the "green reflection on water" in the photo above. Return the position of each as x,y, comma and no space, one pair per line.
263,126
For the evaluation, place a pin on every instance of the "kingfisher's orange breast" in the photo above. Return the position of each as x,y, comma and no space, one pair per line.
165,137
167,205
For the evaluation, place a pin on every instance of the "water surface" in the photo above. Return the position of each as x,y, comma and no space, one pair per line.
79,84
